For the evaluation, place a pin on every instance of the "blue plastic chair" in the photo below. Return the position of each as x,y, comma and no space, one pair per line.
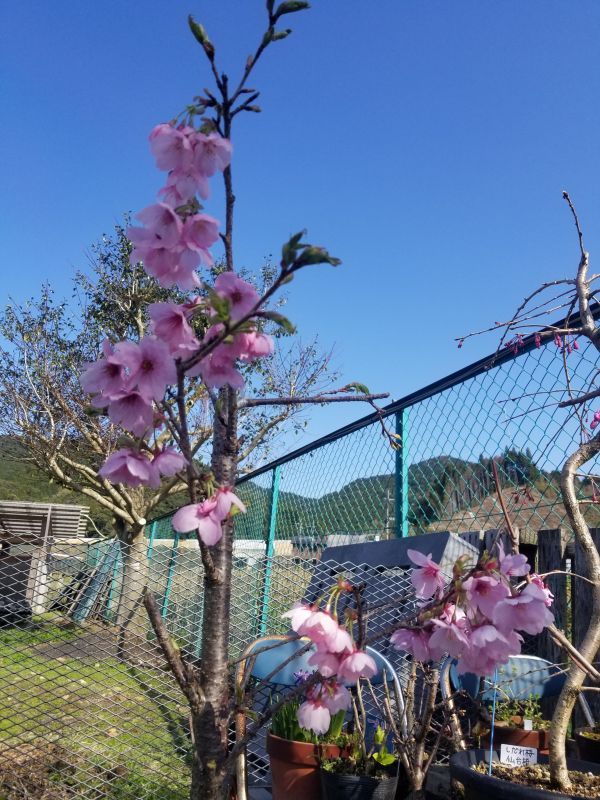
261,665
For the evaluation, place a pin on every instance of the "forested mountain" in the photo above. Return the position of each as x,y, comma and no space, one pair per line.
444,493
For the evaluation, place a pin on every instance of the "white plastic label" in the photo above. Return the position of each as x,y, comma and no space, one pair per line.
516,756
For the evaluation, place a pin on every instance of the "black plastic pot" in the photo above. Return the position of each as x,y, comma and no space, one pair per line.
589,748
357,787
485,787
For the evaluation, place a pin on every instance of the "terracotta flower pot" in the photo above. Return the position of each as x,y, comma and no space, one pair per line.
520,737
295,767
588,746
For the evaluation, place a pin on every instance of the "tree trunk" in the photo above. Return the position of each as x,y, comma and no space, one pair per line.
591,641
211,724
134,561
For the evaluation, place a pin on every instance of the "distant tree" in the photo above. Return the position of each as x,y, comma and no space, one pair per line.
519,466
45,345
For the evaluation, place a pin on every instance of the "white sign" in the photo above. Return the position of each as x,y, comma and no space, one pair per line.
516,756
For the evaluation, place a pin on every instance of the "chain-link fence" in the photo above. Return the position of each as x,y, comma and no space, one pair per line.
87,708
352,483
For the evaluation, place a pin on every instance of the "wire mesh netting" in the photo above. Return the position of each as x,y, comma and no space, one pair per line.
441,477
87,707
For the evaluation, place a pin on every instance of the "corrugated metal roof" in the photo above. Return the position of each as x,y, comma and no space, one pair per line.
19,520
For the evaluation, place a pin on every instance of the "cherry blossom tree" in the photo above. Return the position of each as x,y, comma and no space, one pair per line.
208,339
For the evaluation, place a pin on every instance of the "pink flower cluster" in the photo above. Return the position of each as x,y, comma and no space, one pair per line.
322,701
478,618
207,517
176,236
190,158
595,420
170,322
127,379
337,660
175,239
171,247
139,468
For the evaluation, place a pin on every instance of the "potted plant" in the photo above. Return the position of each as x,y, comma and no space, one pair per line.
295,753
510,725
588,743
363,773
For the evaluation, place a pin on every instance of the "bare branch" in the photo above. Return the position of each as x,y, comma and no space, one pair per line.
183,672
325,398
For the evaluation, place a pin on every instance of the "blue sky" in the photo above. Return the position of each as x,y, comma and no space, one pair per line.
425,143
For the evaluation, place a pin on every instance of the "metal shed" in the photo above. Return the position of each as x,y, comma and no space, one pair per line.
27,532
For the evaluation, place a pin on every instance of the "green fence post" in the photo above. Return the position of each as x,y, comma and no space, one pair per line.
269,551
113,586
170,573
151,540
401,493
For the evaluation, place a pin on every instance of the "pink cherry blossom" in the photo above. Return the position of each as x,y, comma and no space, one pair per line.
130,467
175,268
319,627
453,613
211,153
298,615
182,185
355,665
161,246
200,517
171,147
447,638
170,323
336,697
132,410
512,565
206,517
106,376
225,499
414,642
169,462
484,593
242,296
162,225
150,366
488,648
526,611
200,232
327,663
539,582
313,715
252,345
428,580
339,641
218,369
169,265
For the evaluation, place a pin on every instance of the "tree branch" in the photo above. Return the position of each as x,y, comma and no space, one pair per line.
322,399
183,672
